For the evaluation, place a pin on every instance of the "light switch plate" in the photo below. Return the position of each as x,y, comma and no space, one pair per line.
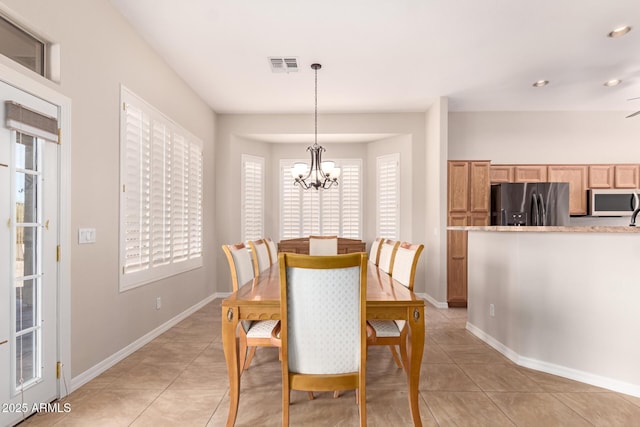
86,235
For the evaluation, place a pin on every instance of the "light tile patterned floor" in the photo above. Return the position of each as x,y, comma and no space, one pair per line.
180,379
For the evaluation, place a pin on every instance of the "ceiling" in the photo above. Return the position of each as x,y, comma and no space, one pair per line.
398,55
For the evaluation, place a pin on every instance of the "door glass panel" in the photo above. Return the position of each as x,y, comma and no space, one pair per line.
26,359
28,272
26,198
26,260
26,293
26,152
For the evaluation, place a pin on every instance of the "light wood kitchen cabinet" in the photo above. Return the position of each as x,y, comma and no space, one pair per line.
468,190
501,173
530,173
600,176
627,176
576,176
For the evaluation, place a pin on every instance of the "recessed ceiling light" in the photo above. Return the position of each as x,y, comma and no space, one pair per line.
541,83
613,82
619,32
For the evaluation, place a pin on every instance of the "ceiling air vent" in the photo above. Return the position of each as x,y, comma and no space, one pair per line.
283,64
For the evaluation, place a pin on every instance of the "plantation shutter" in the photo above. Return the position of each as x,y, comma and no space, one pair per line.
137,185
388,192
252,197
335,211
195,200
351,201
161,194
291,218
161,173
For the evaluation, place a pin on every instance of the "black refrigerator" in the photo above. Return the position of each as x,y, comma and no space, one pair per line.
530,203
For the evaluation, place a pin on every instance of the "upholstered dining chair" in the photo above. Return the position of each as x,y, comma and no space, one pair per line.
323,325
260,255
394,332
273,250
323,245
387,252
374,252
253,334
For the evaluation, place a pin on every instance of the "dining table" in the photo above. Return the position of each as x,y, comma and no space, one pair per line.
387,299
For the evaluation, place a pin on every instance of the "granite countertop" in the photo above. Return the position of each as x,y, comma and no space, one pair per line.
563,229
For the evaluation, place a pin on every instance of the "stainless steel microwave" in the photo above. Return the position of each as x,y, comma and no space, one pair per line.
610,202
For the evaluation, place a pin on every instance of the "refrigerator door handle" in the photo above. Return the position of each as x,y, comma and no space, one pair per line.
534,210
542,211
635,201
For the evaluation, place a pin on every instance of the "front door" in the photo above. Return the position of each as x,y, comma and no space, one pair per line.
28,263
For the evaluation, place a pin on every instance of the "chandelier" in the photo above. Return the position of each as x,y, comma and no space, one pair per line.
320,174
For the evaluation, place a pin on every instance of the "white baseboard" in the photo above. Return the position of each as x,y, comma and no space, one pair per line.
433,301
551,368
83,378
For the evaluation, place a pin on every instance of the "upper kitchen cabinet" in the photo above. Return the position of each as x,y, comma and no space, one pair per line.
501,173
627,176
601,176
458,187
530,173
576,176
479,187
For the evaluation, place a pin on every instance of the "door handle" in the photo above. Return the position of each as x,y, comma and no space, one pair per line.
4,342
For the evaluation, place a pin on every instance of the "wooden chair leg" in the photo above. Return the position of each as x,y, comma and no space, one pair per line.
286,397
394,353
310,394
242,352
336,394
252,351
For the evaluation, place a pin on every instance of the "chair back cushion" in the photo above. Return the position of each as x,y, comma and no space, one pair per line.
387,251
323,245
325,314
404,263
260,252
374,253
273,250
242,264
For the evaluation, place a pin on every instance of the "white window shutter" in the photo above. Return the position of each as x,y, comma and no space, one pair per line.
161,194
336,211
137,189
180,201
252,197
161,173
195,200
351,211
290,214
388,196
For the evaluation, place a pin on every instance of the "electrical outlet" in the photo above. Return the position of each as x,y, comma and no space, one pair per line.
158,303
492,310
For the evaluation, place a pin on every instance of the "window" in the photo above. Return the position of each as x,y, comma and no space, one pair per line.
21,47
161,195
336,211
252,190
388,196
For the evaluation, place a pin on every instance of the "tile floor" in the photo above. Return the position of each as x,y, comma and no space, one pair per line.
180,379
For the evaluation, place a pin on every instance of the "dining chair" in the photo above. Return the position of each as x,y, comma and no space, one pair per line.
252,334
260,255
387,253
394,332
323,245
273,250
323,325
374,252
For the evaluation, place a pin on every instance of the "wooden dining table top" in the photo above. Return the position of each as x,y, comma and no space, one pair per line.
381,288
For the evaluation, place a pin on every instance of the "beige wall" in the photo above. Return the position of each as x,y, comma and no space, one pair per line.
100,51
232,141
545,137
